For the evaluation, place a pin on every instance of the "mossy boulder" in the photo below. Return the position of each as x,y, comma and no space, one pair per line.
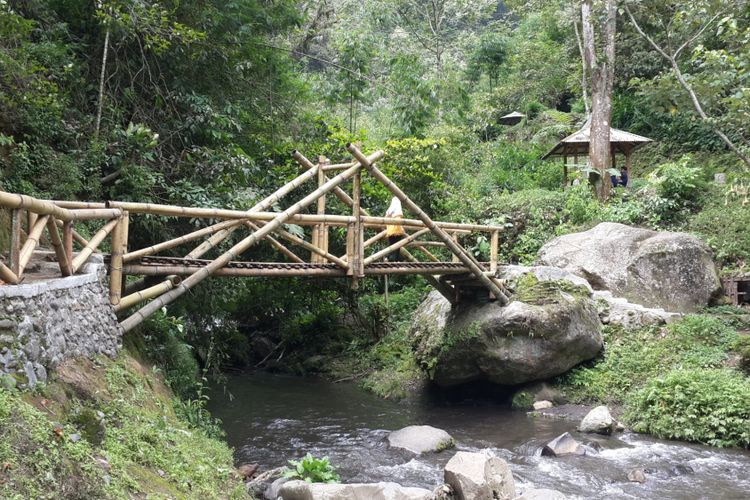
550,325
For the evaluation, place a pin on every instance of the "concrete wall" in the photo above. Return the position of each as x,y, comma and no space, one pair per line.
44,322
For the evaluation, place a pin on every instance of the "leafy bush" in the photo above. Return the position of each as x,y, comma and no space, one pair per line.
726,229
742,347
632,357
312,470
707,406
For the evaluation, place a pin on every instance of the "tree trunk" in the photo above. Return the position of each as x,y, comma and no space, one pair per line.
601,70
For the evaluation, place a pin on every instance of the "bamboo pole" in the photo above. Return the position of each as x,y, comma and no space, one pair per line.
454,257
469,262
13,200
148,293
76,237
57,244
31,218
68,243
358,252
15,242
124,249
31,243
494,243
320,231
115,264
8,275
153,249
399,244
94,242
238,249
429,254
95,213
277,245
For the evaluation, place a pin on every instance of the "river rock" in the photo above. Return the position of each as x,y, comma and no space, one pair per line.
420,439
618,311
636,476
672,271
598,420
476,476
563,445
542,405
302,490
550,325
541,494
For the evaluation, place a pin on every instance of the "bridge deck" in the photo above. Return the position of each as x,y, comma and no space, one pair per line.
164,266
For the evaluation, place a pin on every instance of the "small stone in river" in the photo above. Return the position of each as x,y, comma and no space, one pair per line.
562,445
636,476
478,476
598,420
542,405
247,470
681,470
420,439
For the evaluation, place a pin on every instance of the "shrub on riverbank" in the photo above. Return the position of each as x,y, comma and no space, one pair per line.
707,406
107,429
693,352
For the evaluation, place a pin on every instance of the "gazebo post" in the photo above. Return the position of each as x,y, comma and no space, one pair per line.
565,171
628,160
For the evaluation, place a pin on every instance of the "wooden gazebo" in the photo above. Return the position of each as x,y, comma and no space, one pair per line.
577,144
511,118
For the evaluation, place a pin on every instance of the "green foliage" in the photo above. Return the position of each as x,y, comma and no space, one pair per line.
725,226
742,347
312,470
707,406
522,400
632,357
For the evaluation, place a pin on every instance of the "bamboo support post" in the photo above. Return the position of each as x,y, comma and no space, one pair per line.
68,243
494,243
124,249
357,262
277,245
15,241
31,243
31,218
116,263
148,293
76,237
94,242
469,262
454,257
239,248
62,258
8,275
396,246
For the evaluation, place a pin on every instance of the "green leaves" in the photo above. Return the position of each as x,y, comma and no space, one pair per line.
312,470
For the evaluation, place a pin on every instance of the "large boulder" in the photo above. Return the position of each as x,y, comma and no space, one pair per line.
673,271
599,421
420,439
476,476
302,490
550,325
563,445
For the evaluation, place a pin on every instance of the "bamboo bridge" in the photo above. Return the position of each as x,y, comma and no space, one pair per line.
34,219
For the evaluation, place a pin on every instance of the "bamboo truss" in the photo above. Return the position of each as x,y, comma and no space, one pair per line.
171,277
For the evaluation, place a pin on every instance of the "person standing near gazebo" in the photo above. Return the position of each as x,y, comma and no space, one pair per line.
394,232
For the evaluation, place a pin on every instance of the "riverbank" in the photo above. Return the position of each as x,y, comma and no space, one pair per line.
108,429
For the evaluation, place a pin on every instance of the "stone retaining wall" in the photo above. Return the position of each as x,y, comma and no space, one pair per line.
45,322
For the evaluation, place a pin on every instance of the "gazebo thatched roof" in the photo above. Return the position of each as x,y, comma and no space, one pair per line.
578,143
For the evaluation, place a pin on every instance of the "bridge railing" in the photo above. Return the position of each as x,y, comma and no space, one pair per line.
262,224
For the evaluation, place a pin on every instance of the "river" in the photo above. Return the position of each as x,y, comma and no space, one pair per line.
270,419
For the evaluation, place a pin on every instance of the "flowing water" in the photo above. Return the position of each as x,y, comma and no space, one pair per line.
270,419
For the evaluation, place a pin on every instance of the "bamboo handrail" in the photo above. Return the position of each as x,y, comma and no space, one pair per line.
94,242
238,249
95,213
12,200
148,293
